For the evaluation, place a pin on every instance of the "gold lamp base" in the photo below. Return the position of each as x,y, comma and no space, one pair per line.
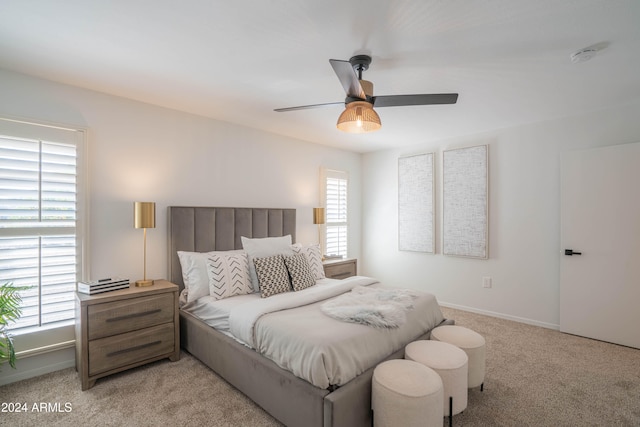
144,282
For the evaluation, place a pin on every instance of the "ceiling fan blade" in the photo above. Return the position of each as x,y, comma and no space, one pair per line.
426,99
307,107
347,76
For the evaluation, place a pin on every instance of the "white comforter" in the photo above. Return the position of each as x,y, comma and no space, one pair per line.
291,330
242,319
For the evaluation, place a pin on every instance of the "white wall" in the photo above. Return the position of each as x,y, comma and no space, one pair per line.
524,253
140,152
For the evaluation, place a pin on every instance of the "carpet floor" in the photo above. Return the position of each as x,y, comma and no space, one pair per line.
535,377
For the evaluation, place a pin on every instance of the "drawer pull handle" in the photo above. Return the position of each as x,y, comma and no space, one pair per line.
138,347
134,315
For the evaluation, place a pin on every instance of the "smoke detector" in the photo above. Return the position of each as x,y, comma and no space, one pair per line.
583,55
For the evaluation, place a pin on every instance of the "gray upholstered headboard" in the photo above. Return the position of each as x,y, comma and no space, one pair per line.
204,229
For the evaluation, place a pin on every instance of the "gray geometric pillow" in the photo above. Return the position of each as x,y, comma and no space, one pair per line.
299,271
272,275
264,247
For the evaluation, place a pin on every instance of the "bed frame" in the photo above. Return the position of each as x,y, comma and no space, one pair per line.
293,401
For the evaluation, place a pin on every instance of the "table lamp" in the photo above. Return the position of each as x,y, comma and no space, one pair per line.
144,216
318,218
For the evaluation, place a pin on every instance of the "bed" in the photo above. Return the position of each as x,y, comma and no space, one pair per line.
290,399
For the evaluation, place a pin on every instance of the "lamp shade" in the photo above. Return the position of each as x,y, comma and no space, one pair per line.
318,215
359,117
144,215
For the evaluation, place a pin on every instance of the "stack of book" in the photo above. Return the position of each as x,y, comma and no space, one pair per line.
93,287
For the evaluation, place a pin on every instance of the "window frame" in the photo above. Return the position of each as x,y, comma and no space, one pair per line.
327,174
34,340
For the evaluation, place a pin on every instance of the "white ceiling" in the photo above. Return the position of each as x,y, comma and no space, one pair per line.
238,60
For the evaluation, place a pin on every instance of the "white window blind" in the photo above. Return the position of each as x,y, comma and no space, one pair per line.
336,186
39,218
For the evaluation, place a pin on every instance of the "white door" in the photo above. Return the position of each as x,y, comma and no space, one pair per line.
600,219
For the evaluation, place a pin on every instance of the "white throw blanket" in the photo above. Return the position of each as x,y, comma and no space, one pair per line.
379,308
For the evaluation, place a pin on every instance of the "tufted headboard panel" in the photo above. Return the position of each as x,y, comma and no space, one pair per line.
204,229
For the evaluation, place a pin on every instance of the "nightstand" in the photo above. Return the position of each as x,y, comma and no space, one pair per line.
122,329
340,268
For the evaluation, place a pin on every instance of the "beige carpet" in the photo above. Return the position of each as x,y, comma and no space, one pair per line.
540,377
535,377
184,393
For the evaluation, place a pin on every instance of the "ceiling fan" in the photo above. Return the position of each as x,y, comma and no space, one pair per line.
359,115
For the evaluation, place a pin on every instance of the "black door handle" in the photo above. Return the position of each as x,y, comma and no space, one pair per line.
571,252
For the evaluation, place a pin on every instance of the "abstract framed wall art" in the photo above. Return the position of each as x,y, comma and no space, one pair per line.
416,203
465,202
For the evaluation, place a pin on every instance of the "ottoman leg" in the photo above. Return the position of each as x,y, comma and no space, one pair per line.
450,411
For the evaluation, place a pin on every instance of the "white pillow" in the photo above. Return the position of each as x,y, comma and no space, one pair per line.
264,247
228,274
194,273
313,255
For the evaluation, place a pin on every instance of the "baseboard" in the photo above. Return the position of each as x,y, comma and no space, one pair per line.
35,366
501,316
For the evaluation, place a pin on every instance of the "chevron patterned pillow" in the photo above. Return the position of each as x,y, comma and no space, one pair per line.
272,275
312,252
228,275
299,271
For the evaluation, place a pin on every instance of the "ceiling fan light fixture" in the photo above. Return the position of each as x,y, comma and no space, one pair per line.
359,117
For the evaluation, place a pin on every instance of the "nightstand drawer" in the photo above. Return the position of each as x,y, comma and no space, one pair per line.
135,313
121,350
340,269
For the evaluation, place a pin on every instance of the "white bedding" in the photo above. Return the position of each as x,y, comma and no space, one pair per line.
215,313
291,330
242,318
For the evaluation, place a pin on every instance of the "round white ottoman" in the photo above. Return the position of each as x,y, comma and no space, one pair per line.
406,393
450,363
472,343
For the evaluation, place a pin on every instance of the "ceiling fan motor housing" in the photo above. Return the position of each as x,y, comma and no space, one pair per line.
367,87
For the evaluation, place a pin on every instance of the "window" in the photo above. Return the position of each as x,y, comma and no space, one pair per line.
335,197
40,223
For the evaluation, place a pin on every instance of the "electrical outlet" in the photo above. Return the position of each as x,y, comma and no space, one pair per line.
486,282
